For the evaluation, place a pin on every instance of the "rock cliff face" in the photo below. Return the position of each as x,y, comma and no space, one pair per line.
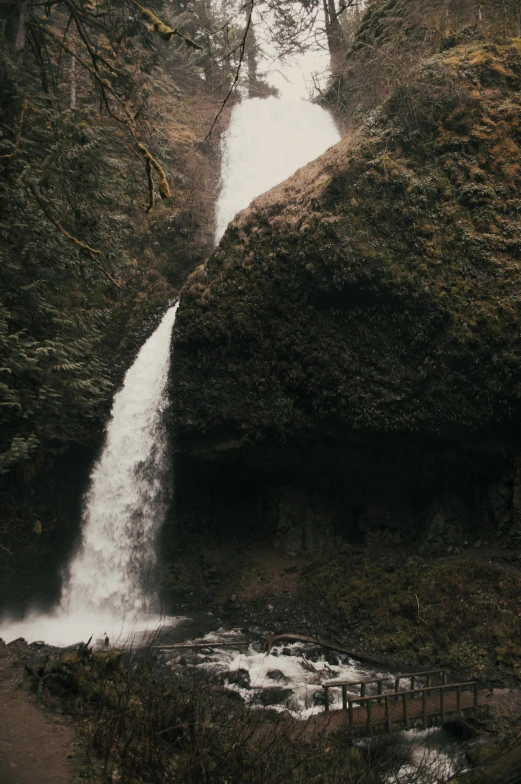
347,362
395,35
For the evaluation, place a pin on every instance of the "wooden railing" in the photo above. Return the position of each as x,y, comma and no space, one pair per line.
443,706
428,674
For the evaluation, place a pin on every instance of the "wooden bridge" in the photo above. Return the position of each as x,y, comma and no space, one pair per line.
429,704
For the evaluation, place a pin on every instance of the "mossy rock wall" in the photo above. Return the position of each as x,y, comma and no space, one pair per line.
374,295
395,35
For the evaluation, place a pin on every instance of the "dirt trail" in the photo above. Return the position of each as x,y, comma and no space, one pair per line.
34,745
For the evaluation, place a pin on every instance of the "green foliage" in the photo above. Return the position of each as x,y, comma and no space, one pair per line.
80,90
459,614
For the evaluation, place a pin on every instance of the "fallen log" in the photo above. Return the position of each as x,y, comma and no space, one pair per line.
330,646
187,645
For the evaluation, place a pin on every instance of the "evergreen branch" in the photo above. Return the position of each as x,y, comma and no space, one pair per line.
19,133
109,276
83,245
48,214
95,56
105,86
102,82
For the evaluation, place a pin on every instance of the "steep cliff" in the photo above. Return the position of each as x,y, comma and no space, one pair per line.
354,341
396,35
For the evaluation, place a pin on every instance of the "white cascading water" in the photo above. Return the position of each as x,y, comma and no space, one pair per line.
125,504
270,138
104,593
267,141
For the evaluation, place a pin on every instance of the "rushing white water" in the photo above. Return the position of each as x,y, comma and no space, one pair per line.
270,138
126,502
105,591
267,141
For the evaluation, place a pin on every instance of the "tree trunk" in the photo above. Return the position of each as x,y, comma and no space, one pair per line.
251,58
73,78
333,28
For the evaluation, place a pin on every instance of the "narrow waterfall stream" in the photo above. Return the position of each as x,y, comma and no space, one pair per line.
267,141
104,592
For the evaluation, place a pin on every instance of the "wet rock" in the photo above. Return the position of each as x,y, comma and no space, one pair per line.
480,752
228,693
286,652
20,641
319,698
315,654
240,678
274,695
332,658
276,675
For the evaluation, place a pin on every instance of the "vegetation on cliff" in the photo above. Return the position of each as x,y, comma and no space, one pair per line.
106,199
382,47
378,289
462,614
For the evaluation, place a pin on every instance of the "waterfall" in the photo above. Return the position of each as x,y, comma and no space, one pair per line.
267,141
125,504
105,590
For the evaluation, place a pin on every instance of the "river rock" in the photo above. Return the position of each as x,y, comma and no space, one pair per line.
274,695
276,675
319,698
240,678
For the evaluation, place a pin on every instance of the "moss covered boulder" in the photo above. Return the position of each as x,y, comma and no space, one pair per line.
373,301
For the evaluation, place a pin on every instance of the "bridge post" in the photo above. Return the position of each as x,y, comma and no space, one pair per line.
350,702
388,722
476,694
444,678
326,697
424,709
405,711
380,690
344,697
413,682
458,699
362,690
442,704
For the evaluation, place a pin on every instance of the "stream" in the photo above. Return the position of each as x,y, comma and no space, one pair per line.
104,593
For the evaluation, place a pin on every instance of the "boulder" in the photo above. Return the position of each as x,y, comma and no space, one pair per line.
274,695
351,350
